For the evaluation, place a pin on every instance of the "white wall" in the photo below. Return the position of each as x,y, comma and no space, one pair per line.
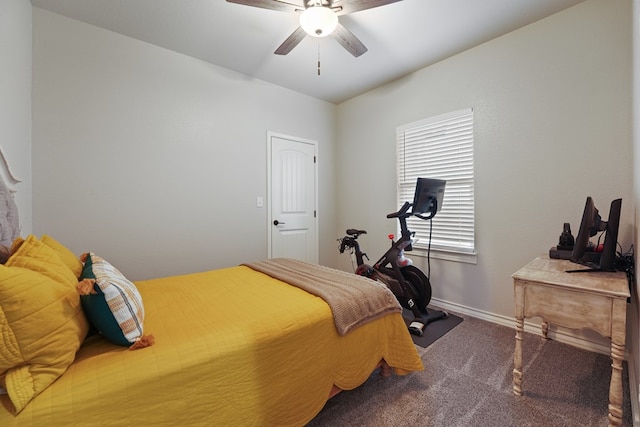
155,159
15,98
552,126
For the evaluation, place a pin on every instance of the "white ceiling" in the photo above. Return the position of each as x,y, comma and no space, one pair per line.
401,37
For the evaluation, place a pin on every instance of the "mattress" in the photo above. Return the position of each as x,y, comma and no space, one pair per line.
232,347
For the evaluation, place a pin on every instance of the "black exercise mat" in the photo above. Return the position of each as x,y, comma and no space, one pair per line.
433,330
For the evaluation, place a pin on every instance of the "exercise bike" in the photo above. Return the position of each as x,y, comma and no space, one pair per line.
408,283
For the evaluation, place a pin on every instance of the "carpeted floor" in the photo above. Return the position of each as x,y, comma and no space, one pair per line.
467,381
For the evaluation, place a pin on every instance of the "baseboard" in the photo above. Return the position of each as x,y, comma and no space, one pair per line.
564,336
561,335
633,392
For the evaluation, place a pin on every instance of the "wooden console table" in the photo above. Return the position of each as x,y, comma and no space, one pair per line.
596,301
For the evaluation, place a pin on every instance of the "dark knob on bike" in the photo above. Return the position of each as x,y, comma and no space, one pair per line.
276,222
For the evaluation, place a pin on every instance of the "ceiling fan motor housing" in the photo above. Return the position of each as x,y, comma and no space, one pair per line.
319,18
318,21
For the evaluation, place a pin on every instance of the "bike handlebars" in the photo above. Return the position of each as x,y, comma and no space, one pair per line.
402,212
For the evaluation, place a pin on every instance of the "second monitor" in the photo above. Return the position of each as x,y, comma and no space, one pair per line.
590,225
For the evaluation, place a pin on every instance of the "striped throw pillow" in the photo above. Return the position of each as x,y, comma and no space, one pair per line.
114,307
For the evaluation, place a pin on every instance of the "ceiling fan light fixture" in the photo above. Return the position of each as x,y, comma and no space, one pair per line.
318,21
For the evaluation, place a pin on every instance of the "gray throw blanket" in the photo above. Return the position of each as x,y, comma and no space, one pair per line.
354,300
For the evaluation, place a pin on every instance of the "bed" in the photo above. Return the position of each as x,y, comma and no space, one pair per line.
233,346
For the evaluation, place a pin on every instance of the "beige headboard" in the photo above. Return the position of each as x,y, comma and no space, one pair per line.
9,218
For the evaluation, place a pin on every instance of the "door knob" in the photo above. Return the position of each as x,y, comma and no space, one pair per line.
276,222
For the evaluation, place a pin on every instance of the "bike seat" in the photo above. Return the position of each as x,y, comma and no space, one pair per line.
355,233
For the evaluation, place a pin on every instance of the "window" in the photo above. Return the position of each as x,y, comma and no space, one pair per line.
440,147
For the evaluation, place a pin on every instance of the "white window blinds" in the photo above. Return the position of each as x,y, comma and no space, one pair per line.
440,147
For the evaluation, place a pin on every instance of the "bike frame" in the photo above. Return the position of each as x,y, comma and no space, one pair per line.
391,258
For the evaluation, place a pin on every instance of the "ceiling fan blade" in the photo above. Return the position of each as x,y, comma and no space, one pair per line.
349,41
342,7
281,6
291,42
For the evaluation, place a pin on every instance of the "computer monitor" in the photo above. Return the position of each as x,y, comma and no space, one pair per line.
428,197
590,225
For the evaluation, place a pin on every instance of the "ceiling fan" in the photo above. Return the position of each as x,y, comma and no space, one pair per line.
319,18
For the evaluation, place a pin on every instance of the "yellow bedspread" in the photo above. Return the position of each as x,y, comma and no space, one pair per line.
234,347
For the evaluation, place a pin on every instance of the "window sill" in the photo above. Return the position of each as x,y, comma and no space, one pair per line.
464,257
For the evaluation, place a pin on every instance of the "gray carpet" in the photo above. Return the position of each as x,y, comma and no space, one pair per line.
467,381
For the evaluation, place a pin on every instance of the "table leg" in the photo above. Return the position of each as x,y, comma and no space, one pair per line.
517,359
545,329
615,387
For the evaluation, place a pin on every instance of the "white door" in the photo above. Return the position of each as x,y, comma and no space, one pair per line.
292,198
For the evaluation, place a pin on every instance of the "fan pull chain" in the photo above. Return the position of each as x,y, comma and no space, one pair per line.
318,58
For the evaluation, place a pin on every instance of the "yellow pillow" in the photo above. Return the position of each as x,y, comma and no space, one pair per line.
37,256
41,321
67,257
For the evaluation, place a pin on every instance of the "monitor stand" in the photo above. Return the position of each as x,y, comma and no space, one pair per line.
588,270
589,259
594,268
